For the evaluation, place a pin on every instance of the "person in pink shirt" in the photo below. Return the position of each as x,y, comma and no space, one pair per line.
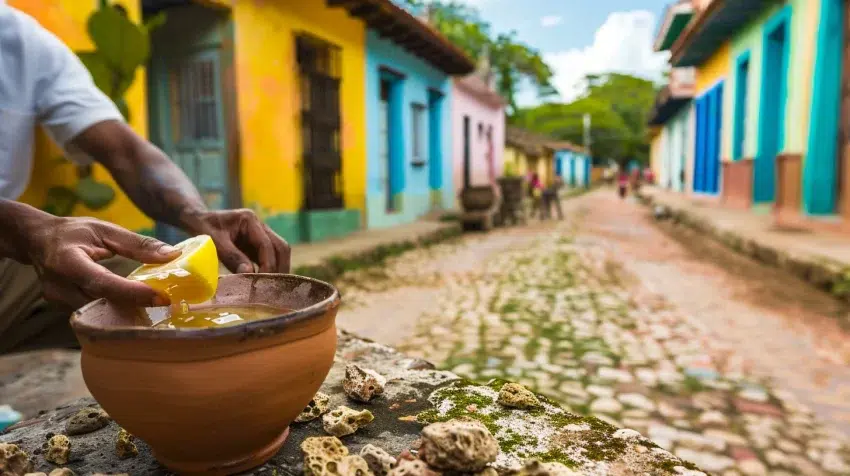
622,182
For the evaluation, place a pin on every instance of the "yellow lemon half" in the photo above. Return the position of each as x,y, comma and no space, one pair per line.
192,277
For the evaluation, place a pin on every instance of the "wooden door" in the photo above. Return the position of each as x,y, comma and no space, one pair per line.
191,86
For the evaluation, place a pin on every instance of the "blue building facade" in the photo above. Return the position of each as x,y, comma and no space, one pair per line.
408,142
573,167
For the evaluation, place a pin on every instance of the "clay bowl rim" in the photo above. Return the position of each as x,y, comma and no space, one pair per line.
264,327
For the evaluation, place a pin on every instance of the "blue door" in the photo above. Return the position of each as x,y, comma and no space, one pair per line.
709,117
772,114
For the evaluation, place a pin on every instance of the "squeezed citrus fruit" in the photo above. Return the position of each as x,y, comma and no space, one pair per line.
191,278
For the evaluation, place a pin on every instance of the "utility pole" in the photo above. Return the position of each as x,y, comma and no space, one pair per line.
586,122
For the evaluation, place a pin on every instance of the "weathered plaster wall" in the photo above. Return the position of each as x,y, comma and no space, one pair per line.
415,199
67,20
466,104
267,79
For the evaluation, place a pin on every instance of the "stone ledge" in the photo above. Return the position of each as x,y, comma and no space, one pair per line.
823,273
415,394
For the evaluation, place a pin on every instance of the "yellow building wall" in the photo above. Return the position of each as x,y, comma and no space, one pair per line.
544,166
709,74
67,20
656,158
269,103
714,69
517,160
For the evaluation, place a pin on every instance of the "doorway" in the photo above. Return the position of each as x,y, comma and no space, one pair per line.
392,134
709,112
467,152
187,109
774,93
435,147
320,67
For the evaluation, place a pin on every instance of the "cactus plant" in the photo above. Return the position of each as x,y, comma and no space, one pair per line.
121,47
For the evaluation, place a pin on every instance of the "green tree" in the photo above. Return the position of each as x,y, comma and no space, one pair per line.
513,62
619,106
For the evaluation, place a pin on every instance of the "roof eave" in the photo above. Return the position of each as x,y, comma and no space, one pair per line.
712,27
662,38
399,26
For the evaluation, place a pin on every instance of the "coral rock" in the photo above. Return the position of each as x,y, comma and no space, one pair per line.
514,395
353,465
380,462
124,446
87,420
413,468
536,468
322,455
362,384
62,472
345,421
317,407
13,461
58,449
458,445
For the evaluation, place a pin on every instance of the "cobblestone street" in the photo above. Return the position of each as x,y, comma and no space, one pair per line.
574,311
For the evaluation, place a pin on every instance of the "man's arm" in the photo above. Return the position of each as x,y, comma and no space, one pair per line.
162,190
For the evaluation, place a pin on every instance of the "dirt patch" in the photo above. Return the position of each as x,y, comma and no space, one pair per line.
758,283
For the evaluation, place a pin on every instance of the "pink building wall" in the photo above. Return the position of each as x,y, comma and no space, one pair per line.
472,97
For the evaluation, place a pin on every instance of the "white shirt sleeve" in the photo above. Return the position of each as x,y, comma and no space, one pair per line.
67,102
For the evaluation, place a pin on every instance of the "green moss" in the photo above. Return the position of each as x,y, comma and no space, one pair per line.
692,384
509,307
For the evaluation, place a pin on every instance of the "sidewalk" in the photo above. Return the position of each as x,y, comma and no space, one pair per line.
823,259
321,257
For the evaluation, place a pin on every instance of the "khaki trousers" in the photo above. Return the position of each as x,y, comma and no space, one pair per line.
27,321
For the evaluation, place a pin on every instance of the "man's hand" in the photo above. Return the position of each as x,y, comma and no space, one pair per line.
65,252
162,190
242,239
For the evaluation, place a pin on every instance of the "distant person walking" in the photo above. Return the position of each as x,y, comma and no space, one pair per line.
550,198
636,178
622,182
535,189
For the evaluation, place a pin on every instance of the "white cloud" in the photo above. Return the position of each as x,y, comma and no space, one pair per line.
623,44
551,20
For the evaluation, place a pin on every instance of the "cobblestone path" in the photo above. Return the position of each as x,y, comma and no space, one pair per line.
560,316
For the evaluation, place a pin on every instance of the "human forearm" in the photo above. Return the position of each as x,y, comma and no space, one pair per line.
160,188
152,181
18,222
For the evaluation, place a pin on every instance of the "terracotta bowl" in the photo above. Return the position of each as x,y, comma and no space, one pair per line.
217,400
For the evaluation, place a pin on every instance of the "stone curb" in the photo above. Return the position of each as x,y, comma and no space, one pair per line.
334,266
821,272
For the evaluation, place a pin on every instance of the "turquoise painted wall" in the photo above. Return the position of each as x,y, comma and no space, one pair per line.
414,194
804,20
573,168
820,187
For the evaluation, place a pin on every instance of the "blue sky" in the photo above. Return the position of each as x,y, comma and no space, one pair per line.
583,36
